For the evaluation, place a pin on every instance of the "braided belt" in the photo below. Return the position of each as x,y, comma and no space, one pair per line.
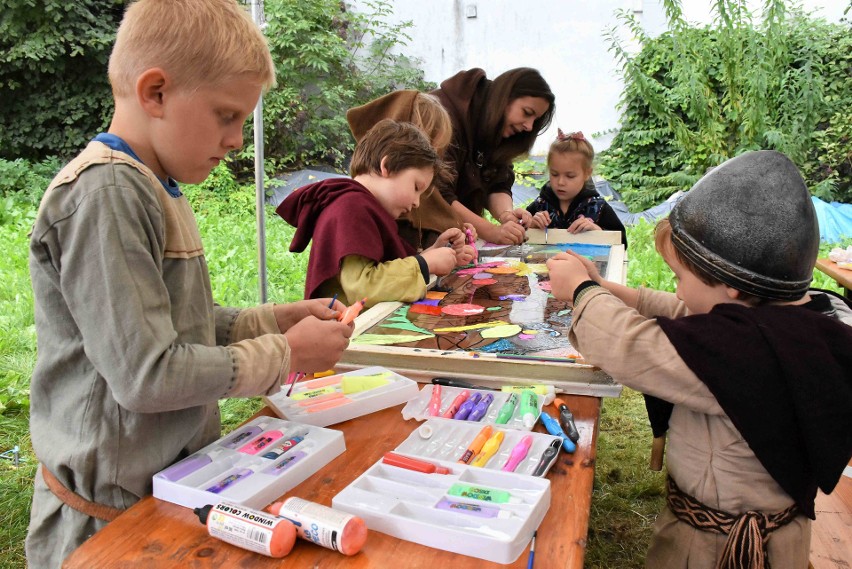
746,544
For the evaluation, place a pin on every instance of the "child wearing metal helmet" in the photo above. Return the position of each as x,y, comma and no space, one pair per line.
754,365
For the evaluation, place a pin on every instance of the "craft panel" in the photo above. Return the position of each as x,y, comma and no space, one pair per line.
487,319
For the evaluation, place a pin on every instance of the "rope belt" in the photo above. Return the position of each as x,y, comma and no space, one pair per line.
747,533
77,502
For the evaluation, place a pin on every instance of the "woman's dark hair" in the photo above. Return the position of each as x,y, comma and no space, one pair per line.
505,88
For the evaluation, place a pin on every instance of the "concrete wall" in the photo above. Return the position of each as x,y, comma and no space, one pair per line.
563,39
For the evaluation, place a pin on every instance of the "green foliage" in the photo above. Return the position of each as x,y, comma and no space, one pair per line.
529,172
694,97
327,59
21,186
53,81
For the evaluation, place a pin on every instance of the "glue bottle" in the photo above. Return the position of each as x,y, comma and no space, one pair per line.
250,529
323,525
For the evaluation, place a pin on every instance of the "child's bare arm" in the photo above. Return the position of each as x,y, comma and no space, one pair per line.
287,315
568,270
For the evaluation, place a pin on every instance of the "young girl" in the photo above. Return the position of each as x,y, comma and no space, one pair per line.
754,364
357,252
569,200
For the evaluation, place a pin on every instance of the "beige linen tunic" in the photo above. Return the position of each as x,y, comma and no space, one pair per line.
706,454
131,347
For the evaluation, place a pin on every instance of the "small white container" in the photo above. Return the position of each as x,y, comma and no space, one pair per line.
234,468
418,407
322,401
425,509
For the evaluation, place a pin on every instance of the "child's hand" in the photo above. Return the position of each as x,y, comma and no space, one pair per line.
465,256
591,267
582,224
540,220
454,237
287,315
317,344
472,229
566,274
441,260
509,233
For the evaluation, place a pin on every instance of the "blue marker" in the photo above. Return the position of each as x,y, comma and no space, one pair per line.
552,426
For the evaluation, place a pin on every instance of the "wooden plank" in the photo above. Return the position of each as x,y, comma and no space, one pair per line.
842,276
158,534
831,535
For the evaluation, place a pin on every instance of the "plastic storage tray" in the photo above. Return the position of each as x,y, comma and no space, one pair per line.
418,408
235,469
323,402
413,505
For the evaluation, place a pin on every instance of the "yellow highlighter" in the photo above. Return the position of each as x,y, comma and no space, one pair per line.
489,449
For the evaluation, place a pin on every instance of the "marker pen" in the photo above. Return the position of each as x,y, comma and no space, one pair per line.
322,525
481,408
489,449
518,454
552,426
285,464
475,445
482,493
435,401
261,442
547,458
454,406
313,393
409,463
566,419
358,383
472,509
242,435
250,529
507,410
348,315
188,465
283,447
467,406
229,480
529,408
548,391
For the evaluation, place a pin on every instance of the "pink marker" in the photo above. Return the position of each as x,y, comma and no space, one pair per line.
261,442
454,406
435,401
518,454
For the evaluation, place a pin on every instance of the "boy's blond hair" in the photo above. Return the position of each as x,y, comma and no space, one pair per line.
402,144
196,42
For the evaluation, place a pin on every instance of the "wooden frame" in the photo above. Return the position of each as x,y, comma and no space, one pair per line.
482,367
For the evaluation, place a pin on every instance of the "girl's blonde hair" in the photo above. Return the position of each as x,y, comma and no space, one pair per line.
430,115
196,42
572,142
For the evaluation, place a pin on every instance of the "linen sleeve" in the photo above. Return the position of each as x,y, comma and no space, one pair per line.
398,280
635,351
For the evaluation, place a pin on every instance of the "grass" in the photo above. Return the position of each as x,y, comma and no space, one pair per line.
627,494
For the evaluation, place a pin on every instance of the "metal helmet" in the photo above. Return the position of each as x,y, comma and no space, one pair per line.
750,223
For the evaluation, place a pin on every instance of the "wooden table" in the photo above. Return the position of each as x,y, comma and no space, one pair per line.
842,276
154,533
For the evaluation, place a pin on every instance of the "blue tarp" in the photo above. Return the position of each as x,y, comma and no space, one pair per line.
835,220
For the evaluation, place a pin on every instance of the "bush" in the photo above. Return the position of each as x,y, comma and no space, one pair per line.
695,97
53,80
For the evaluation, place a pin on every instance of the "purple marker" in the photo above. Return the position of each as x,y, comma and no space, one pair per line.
282,466
472,509
481,408
467,406
185,467
230,480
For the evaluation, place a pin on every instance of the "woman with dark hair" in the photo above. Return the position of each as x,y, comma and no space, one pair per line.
494,122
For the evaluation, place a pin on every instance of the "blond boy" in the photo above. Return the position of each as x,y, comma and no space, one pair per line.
133,354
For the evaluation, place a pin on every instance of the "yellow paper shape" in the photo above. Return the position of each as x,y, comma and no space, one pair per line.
501,331
491,324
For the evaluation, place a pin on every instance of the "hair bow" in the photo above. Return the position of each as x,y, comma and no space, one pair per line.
570,136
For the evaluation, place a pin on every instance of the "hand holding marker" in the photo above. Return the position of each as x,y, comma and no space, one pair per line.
348,315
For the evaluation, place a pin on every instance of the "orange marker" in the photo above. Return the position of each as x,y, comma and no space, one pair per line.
351,312
476,445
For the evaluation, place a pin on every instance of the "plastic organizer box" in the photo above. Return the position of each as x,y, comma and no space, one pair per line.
251,466
482,512
330,400
418,408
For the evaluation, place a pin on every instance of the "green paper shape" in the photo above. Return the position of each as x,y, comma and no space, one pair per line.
387,339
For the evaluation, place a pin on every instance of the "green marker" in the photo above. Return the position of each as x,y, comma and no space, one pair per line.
507,410
529,407
483,494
